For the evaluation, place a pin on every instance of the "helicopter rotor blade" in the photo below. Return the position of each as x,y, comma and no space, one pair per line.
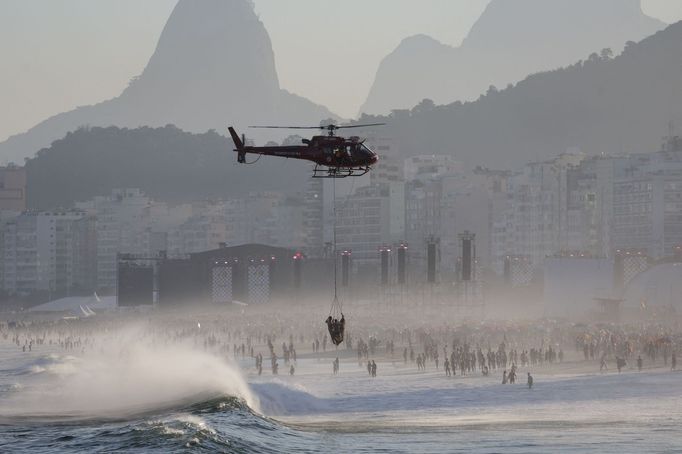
288,127
328,127
360,126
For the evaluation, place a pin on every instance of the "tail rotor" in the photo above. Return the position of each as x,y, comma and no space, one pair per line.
239,145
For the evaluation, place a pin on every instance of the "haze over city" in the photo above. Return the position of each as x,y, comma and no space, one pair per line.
303,226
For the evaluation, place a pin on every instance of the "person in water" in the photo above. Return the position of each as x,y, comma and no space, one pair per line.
530,381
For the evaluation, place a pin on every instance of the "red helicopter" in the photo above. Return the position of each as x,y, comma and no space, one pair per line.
334,157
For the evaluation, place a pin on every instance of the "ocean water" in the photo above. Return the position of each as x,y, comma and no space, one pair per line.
170,400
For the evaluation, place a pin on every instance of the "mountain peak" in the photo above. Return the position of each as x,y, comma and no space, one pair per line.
217,40
419,40
511,39
213,66
529,24
209,53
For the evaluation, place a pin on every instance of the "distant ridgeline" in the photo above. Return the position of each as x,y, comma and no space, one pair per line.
166,163
511,39
600,105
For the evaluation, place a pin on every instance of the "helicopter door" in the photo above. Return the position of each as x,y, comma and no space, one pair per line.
340,154
328,154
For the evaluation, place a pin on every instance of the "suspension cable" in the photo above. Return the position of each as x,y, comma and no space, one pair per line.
334,247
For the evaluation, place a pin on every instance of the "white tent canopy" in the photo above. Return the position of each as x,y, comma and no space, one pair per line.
82,306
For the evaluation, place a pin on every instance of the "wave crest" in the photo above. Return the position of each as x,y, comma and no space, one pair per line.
140,380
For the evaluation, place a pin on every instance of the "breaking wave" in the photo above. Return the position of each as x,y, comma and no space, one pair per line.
138,380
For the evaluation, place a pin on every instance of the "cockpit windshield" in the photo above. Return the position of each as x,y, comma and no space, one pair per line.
360,150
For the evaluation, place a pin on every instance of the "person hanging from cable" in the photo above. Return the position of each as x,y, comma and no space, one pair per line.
330,325
342,328
336,328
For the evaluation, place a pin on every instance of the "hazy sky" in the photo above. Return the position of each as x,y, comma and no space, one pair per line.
59,54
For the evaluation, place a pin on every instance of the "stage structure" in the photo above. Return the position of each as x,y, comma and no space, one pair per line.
221,283
392,272
384,256
251,274
137,279
518,270
432,259
402,264
628,263
345,268
469,283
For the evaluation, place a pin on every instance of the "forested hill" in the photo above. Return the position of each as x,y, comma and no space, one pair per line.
166,163
600,105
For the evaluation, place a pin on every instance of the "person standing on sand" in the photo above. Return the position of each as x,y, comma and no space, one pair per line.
673,362
530,381
602,365
620,363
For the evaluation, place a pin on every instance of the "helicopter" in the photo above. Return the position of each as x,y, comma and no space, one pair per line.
334,156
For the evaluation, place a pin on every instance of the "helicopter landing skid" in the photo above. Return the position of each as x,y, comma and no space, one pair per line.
339,172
